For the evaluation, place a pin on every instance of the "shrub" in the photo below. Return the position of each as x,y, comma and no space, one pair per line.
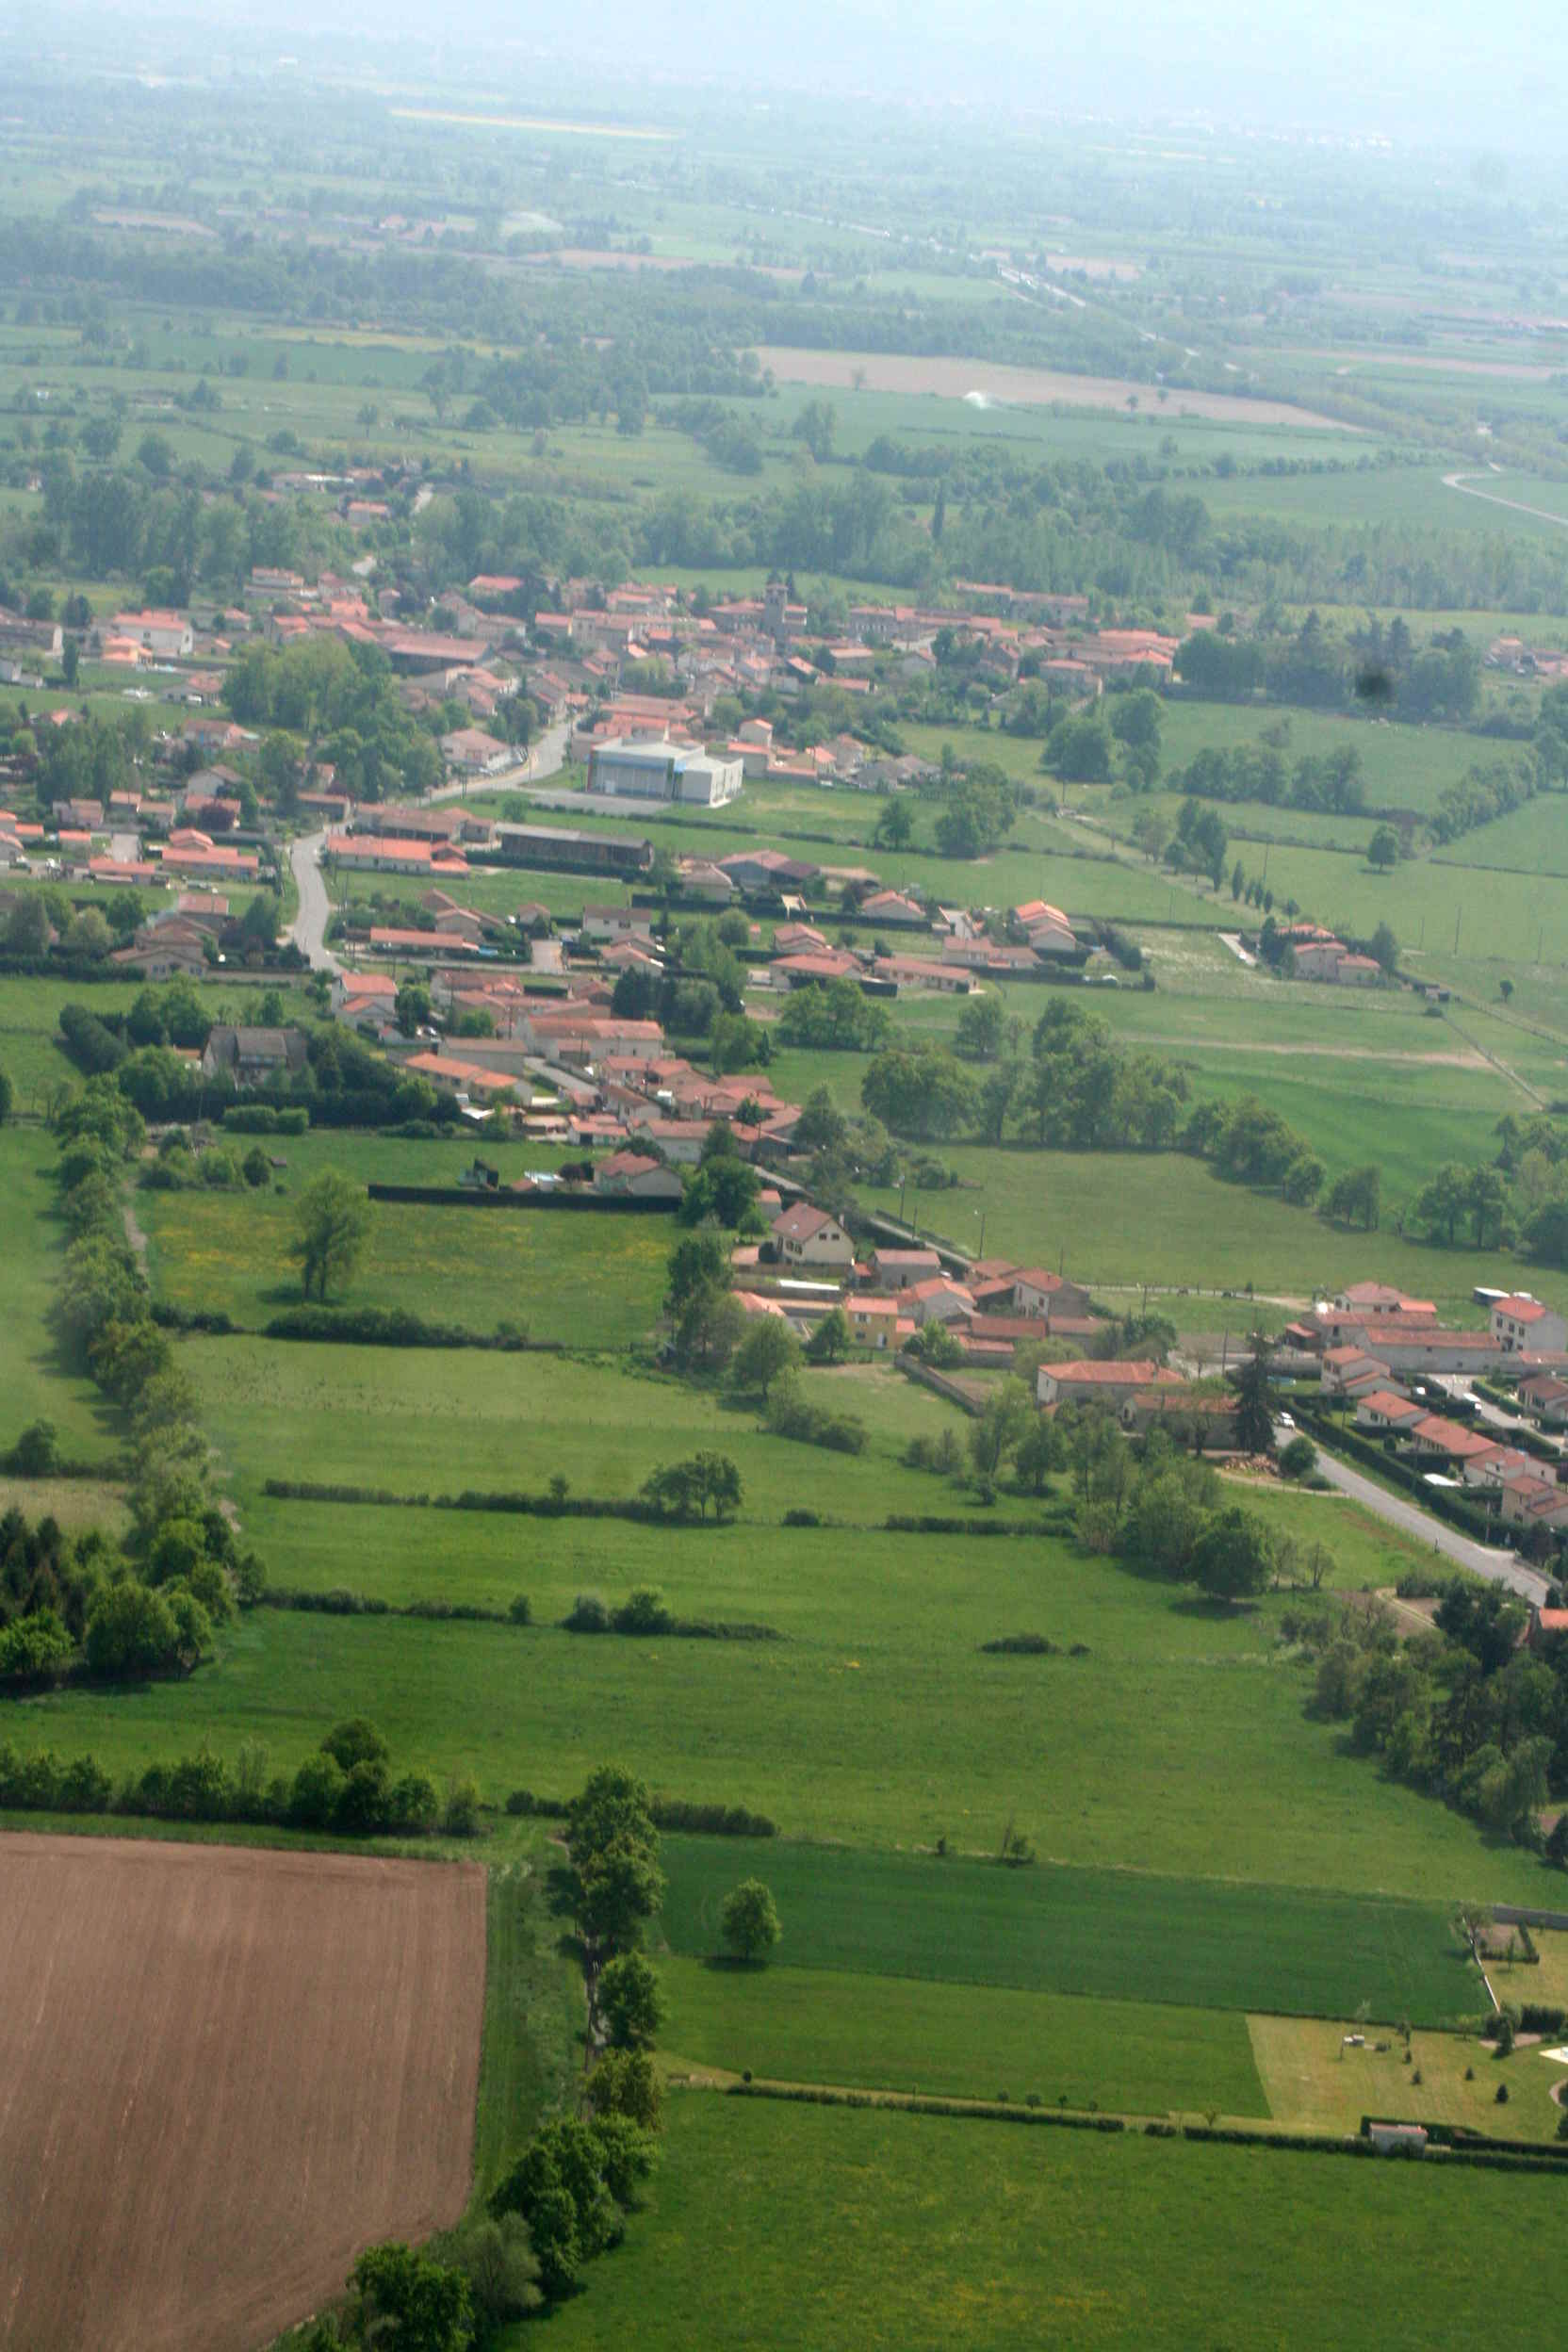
643,1613
1299,1458
413,1805
34,1647
587,1614
1021,1645
460,1816
317,1792
36,1453
520,1611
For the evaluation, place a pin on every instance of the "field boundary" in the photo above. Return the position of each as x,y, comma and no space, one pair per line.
1498,2155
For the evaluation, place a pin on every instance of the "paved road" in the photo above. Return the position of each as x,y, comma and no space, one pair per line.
308,931
1497,1567
546,757
1462,482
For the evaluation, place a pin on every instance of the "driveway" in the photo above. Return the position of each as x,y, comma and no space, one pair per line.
1497,1567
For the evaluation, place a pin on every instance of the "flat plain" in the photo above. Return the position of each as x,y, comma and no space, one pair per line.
226,2073
923,2232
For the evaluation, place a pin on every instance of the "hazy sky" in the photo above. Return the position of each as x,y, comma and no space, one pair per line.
1443,70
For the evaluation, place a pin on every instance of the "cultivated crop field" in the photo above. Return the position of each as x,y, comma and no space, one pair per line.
232,2071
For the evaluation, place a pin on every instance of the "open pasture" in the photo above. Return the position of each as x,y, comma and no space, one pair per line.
231,2072
431,1420
1181,1739
1120,1935
923,2231
582,1279
901,2033
1133,1218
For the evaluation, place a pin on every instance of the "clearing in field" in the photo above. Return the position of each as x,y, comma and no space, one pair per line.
953,379
226,2074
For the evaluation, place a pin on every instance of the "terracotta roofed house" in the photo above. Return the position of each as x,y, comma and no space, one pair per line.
1108,1380
1521,1325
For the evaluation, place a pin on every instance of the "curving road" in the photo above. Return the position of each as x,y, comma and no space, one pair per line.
1462,484
308,931
1497,1567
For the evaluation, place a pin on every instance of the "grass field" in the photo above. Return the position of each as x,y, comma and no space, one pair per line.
1315,2083
923,2232
432,1420
884,2033
1181,1740
1118,1934
1129,1218
589,1282
533,2011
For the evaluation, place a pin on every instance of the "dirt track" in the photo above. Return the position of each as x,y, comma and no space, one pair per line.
222,2074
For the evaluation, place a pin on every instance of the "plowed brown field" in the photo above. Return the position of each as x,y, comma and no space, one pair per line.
222,2074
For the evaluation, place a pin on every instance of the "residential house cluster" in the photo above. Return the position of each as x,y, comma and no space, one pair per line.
1314,953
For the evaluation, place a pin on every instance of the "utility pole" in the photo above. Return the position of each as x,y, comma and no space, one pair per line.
1457,915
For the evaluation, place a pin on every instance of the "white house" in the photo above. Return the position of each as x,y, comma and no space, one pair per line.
618,922
809,1236
167,634
1384,1409
1521,1325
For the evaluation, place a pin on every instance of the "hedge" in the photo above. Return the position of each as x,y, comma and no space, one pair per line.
337,1600
672,1813
262,1118
965,2111
384,1326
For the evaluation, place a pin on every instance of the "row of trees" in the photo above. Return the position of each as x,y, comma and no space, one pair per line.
156,1608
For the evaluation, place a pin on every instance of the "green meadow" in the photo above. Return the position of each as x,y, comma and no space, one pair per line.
883,2033
924,2232
1178,1744
1202,1943
585,1280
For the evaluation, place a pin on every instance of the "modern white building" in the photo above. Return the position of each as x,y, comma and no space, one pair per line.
660,770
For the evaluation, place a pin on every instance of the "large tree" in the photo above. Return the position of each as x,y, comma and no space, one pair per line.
749,1921
1255,1403
1233,1558
329,1230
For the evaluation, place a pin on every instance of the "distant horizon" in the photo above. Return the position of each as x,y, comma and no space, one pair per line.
1437,77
